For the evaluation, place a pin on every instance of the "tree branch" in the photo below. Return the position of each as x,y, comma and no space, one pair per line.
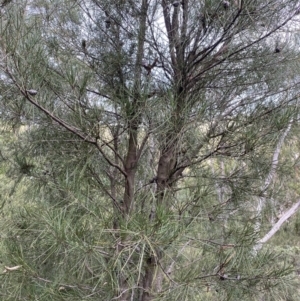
277,226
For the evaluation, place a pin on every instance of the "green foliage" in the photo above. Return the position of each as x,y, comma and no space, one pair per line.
146,167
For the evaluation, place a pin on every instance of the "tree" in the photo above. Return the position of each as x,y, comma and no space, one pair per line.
150,129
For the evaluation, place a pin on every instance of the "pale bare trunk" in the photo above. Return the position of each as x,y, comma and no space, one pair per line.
261,201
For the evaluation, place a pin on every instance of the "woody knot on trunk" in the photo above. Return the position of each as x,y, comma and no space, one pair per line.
149,67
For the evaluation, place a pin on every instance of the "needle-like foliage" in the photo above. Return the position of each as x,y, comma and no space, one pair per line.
144,148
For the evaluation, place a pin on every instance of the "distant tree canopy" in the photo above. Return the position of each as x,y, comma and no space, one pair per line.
145,154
